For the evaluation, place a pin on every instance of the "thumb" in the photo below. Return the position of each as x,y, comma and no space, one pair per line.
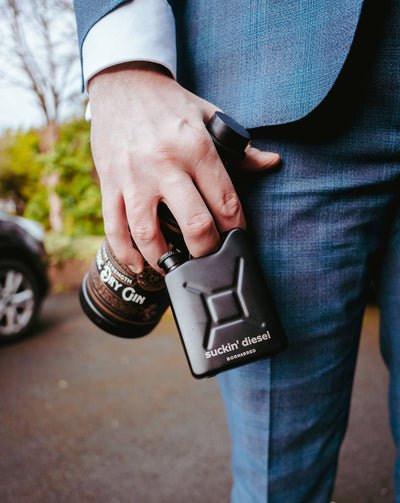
258,160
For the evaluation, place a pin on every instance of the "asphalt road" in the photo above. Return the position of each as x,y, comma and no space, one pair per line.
88,417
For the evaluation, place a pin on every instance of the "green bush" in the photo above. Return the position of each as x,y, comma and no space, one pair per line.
23,166
61,248
79,187
20,170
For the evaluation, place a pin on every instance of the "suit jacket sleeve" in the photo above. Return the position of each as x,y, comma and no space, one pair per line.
88,12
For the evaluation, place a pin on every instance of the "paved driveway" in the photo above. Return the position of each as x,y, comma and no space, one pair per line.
88,417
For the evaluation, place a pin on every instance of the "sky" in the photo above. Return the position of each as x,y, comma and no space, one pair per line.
17,109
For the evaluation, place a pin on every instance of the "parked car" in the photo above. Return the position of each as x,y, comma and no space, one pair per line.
23,275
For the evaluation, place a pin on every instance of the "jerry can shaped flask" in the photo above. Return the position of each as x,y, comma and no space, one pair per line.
222,307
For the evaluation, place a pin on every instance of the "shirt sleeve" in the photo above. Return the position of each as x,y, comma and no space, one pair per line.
139,30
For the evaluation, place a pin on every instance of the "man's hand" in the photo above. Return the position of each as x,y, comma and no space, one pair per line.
150,144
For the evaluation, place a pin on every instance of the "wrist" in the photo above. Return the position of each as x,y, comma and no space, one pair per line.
129,69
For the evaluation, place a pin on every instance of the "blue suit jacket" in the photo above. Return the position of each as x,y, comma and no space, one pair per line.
264,62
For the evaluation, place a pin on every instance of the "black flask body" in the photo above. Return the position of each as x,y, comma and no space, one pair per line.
223,310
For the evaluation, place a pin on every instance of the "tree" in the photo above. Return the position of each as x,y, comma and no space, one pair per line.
39,52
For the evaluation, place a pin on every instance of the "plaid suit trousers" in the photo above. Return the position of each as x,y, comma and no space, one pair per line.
326,223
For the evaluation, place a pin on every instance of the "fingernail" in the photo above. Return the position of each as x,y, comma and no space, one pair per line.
136,269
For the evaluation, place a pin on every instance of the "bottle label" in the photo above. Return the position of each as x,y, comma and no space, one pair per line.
123,294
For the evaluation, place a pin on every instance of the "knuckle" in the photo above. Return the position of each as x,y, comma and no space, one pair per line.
143,233
231,206
174,179
126,255
165,152
195,139
201,144
110,229
199,225
114,235
201,138
124,251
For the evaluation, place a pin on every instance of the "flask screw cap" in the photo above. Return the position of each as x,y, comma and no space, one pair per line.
170,260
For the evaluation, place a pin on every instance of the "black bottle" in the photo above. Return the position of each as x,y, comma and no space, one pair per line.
131,305
222,307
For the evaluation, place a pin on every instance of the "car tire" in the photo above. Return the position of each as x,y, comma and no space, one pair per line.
20,299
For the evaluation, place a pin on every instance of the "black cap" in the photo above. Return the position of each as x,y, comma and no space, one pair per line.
227,132
170,260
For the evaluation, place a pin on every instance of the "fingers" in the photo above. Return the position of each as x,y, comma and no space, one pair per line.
258,160
143,221
255,159
118,235
192,214
216,188
198,191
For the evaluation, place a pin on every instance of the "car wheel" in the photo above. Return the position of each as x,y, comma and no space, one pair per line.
20,299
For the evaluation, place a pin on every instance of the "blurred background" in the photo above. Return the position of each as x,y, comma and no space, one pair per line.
86,416
46,170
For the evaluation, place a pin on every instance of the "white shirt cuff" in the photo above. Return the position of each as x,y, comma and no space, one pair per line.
139,30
